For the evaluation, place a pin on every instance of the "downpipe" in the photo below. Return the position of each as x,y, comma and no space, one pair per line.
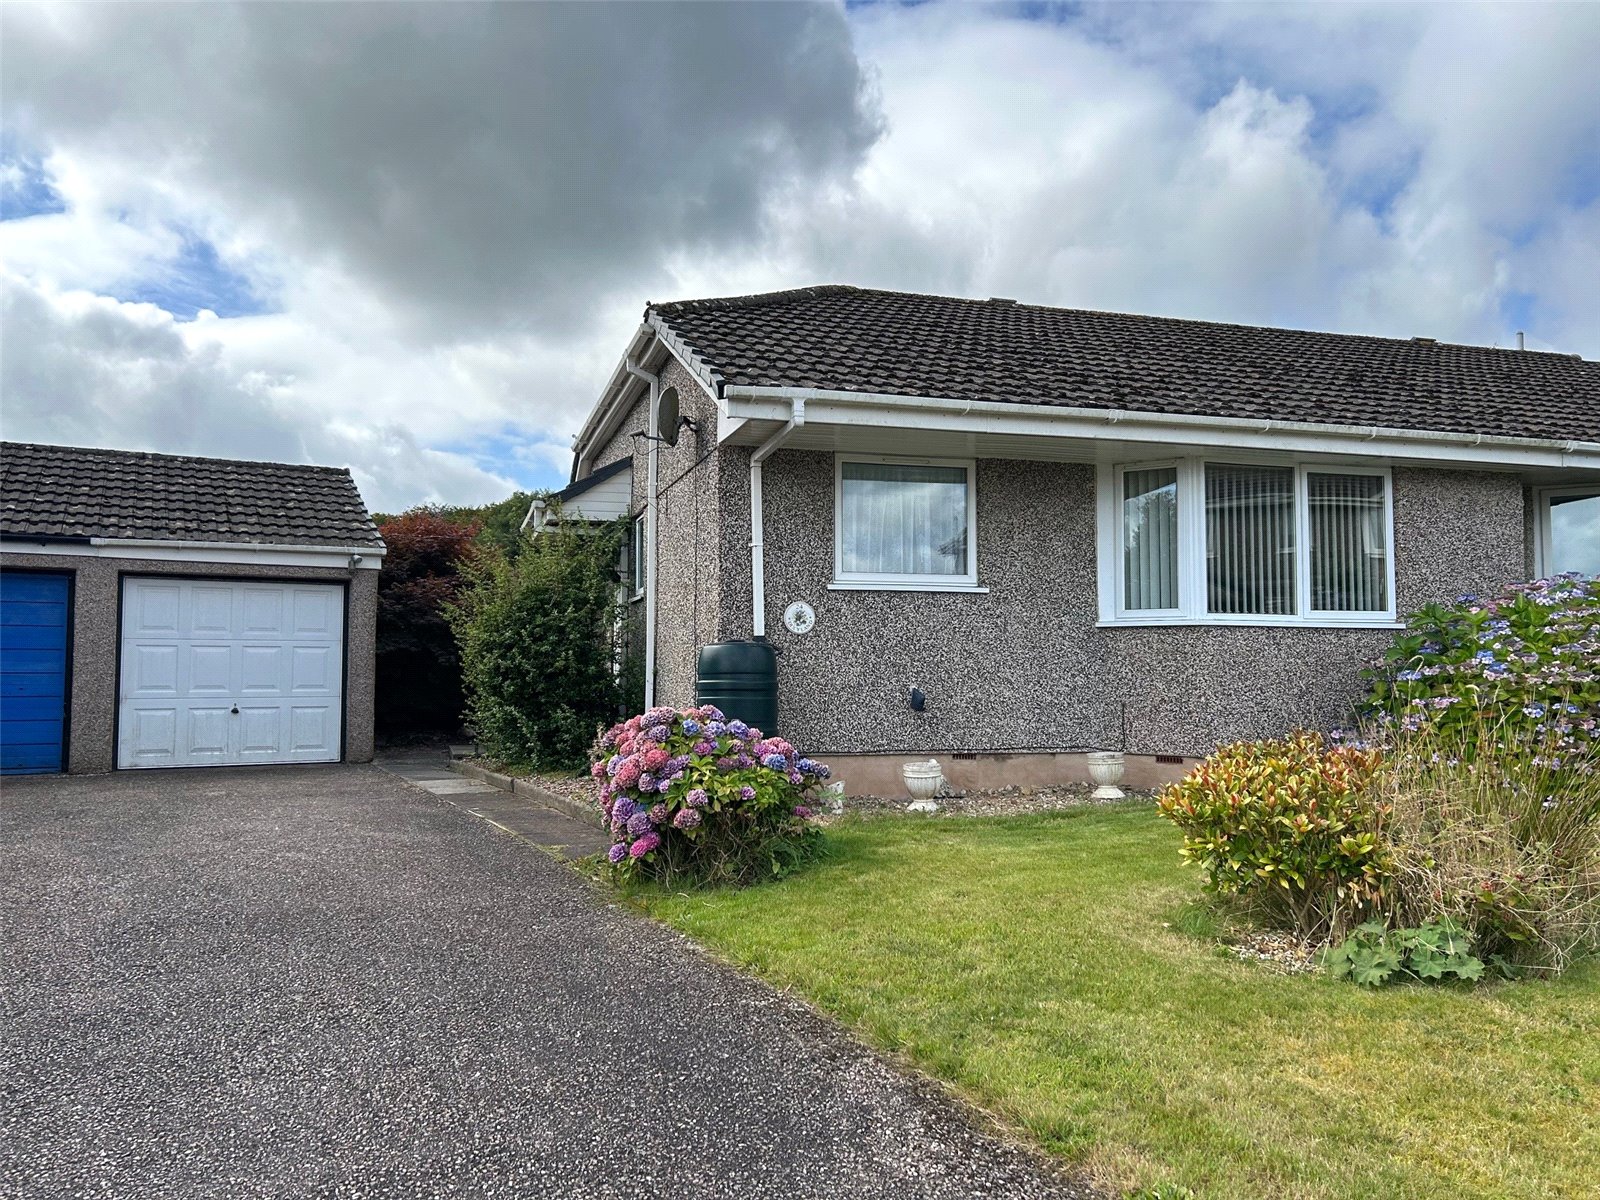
650,532
758,582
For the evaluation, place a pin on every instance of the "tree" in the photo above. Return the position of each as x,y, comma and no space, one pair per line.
418,667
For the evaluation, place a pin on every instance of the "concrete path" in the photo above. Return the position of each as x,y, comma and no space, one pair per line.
429,769
324,981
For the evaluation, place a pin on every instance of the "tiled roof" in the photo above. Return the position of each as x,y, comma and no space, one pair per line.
853,339
68,491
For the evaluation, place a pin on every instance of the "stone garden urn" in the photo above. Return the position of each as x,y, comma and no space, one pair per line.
922,781
1106,768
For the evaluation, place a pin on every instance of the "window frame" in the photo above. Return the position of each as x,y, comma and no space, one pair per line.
638,564
892,581
1543,534
1192,600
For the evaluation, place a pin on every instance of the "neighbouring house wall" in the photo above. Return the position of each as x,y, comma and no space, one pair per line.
91,739
1024,667
689,532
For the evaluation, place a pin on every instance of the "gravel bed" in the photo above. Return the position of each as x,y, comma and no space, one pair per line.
1273,948
998,802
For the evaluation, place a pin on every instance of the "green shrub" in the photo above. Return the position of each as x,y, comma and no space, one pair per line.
1484,830
1289,824
1523,661
538,647
1374,954
693,797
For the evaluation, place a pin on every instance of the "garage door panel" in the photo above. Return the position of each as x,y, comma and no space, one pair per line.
207,734
260,730
317,613
263,612
225,656
312,728
27,661
31,684
154,670
31,708
210,612
33,637
151,734
209,669
314,671
155,612
262,669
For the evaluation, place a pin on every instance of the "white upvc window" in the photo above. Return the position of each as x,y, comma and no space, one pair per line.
637,555
904,523
1245,541
1568,530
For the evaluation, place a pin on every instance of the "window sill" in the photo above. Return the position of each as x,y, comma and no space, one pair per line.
1251,622
853,585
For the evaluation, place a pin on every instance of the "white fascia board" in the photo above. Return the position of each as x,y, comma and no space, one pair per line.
230,553
1039,420
602,418
653,338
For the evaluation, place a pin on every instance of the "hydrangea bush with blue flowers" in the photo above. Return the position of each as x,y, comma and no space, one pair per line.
692,796
1524,663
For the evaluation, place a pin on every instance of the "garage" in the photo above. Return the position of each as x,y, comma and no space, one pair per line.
165,611
218,672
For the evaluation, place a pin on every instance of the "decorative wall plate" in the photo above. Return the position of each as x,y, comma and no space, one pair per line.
799,617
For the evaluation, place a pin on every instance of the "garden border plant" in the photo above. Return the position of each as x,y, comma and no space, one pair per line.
690,796
1469,802
539,646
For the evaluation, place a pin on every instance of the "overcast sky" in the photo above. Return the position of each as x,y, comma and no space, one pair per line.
414,239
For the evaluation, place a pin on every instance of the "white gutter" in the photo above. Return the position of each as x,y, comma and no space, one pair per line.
649,533
991,416
192,551
758,581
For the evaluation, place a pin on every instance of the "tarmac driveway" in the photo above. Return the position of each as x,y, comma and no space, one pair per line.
322,981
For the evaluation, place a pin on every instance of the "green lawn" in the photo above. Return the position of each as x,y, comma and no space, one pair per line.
1039,965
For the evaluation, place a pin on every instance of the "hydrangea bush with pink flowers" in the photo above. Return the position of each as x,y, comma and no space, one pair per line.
691,795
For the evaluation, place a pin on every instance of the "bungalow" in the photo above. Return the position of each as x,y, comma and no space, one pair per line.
1005,534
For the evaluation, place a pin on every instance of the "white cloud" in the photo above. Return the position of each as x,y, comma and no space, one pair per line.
455,213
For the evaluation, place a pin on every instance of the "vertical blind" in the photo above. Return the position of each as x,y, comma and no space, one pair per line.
1349,557
1150,538
1250,536
902,519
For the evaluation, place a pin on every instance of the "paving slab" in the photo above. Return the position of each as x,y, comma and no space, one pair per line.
323,981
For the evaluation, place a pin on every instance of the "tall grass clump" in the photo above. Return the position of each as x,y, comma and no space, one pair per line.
1500,834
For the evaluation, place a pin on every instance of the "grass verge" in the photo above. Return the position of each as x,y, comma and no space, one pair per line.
1054,970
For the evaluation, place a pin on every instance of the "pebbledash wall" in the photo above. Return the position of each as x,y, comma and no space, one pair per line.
691,542
95,632
1022,668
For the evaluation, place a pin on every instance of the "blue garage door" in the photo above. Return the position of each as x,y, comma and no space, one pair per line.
33,671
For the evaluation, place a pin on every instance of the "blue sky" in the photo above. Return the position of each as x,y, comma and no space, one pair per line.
415,239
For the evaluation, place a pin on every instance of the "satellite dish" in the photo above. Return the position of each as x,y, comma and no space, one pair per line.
667,417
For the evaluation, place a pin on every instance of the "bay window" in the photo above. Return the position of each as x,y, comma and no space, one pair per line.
1219,542
904,523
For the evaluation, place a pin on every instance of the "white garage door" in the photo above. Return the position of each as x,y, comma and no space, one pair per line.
218,672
